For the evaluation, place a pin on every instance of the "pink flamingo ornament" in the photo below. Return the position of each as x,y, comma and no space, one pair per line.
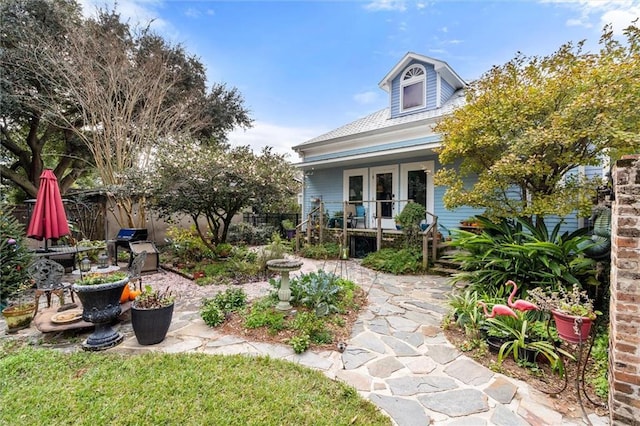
498,310
521,305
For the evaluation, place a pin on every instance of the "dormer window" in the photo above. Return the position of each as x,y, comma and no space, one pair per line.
413,88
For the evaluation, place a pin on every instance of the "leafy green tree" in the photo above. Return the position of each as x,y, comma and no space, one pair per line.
213,183
31,137
529,124
119,92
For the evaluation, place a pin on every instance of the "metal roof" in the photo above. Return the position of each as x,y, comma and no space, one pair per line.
380,120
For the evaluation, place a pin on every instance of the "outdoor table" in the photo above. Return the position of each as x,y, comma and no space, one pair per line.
43,322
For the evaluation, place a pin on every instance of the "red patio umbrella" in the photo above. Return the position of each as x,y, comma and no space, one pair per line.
49,219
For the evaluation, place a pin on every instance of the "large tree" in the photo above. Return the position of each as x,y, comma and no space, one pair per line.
530,124
126,91
31,137
211,184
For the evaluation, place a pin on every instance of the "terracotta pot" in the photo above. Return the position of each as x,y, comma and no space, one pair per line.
18,316
565,326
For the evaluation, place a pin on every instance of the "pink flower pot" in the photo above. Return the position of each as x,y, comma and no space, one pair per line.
565,326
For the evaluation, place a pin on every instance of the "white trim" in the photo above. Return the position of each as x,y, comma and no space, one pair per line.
387,223
416,79
364,172
438,89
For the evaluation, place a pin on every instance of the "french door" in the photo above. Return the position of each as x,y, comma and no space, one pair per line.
383,187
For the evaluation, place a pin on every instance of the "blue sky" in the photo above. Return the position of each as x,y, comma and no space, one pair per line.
307,67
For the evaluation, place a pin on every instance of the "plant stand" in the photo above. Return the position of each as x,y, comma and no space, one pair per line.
101,306
577,337
284,266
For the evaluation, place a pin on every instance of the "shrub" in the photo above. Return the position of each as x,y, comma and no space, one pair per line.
321,251
14,255
215,310
404,261
263,314
248,234
186,245
300,343
409,219
523,251
212,314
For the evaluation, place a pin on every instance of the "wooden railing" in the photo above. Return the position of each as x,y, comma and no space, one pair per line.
316,218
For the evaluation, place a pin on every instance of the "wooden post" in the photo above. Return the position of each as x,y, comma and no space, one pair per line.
379,225
321,221
344,224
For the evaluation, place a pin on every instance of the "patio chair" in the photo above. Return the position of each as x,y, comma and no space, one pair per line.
135,269
47,275
356,214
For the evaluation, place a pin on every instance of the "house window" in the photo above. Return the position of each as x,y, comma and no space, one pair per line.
417,186
413,88
355,188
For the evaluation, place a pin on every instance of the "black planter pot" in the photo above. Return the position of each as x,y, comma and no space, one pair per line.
151,325
495,343
528,355
101,306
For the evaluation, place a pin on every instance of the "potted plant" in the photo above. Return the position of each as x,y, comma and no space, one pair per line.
572,311
100,296
289,228
518,339
19,312
151,314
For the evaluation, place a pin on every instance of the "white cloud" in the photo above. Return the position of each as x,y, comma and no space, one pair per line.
618,13
366,98
280,138
620,18
137,12
386,5
192,12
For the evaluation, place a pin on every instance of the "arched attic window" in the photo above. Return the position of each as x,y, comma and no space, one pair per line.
413,88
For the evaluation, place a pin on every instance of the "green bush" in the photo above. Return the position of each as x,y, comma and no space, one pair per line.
264,314
409,220
321,251
308,324
186,245
212,314
215,310
300,343
404,261
522,251
246,233
14,255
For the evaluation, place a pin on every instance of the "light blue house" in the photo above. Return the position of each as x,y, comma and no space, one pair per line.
390,154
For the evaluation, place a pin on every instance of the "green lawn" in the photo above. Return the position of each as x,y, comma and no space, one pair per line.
46,387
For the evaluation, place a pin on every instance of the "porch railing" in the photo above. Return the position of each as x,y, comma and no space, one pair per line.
316,219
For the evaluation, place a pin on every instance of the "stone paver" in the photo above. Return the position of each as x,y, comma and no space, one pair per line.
397,357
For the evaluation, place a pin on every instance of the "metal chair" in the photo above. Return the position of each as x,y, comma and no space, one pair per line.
47,275
356,214
135,269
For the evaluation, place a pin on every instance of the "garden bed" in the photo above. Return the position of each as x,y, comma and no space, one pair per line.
541,379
